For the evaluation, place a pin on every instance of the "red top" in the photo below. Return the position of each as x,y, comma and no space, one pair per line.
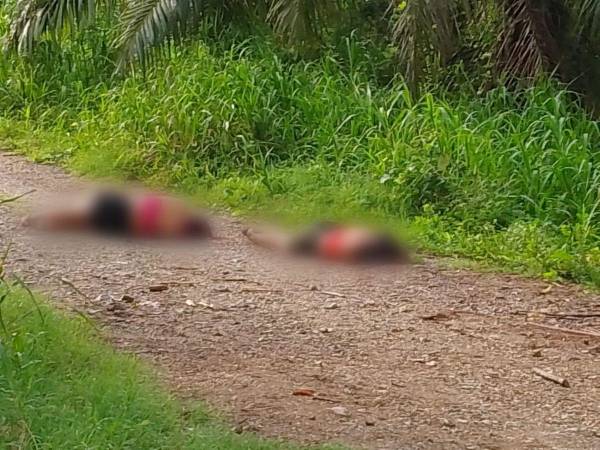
148,214
331,244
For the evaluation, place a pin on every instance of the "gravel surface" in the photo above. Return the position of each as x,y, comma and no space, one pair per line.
399,358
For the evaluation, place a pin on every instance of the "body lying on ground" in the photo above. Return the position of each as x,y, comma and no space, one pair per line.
119,213
333,242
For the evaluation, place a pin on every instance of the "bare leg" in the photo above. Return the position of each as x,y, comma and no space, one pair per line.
272,240
66,220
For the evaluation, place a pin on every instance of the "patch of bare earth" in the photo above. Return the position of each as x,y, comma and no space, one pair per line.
419,357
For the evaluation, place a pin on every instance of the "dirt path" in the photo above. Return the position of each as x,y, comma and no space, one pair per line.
360,340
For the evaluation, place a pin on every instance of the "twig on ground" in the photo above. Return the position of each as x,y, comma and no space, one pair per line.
206,305
333,294
260,290
234,280
14,199
572,315
324,399
439,316
564,330
551,377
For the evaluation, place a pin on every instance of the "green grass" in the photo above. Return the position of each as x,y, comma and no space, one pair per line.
61,387
505,179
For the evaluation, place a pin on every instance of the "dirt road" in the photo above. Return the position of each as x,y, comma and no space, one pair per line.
243,330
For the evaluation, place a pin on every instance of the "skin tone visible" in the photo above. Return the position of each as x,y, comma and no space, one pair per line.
68,214
270,239
172,219
350,242
74,215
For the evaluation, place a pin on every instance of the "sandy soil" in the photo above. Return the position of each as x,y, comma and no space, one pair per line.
400,358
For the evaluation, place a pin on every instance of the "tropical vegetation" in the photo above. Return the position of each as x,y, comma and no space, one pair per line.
471,123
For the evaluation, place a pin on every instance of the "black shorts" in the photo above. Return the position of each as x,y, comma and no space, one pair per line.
111,213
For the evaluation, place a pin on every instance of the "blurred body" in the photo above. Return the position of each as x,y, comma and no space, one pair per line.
123,214
332,242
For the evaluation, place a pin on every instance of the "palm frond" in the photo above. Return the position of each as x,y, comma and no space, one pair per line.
34,18
425,25
528,45
301,21
587,13
147,23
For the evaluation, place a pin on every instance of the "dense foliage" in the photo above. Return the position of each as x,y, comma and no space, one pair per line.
524,38
503,173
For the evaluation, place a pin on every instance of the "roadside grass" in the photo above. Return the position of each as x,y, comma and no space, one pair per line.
505,179
62,387
301,194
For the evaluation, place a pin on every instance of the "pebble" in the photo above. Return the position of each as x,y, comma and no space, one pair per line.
340,411
127,298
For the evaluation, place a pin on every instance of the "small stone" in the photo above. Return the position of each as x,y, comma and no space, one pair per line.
537,353
158,287
313,287
431,363
127,298
190,303
222,289
340,411
331,306
446,423
370,422
306,392
103,298
326,330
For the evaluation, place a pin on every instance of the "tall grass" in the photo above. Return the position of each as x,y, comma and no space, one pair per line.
508,177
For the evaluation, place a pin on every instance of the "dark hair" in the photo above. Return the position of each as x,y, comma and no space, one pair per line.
197,226
384,250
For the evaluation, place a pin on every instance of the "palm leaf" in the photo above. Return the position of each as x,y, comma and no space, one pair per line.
528,45
34,18
147,23
300,22
422,26
587,13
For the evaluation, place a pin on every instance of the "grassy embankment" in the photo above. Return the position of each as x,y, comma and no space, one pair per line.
61,387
